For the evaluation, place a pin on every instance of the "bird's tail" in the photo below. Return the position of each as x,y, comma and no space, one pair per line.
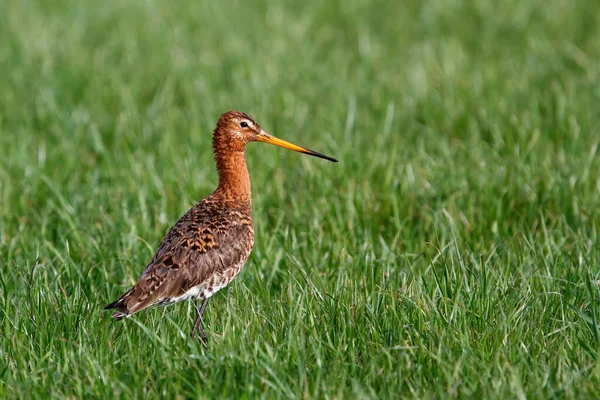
121,309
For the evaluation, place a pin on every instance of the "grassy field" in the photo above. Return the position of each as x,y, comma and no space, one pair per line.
453,251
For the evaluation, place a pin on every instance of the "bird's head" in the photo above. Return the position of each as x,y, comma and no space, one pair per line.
235,129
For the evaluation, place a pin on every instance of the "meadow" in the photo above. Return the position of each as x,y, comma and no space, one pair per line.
451,253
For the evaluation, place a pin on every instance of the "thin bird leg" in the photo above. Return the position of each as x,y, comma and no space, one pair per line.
198,324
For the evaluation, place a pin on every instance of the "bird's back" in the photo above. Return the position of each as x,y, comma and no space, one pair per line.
200,254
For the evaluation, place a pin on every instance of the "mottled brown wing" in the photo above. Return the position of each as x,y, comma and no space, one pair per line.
203,243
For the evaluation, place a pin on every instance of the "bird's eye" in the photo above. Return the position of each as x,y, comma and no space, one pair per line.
244,124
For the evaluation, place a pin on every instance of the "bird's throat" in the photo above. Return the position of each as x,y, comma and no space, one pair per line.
234,180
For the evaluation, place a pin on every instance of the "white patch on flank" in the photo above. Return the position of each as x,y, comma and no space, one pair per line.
198,292
193,293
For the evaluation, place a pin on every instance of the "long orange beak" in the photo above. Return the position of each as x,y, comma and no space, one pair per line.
265,137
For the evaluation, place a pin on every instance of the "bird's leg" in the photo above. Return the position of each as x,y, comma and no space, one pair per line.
198,324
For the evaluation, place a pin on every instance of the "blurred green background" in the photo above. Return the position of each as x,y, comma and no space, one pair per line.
453,251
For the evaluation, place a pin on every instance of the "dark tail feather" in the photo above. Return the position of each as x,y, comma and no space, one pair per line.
121,308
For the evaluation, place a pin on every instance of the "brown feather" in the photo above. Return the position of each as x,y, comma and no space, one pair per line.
211,239
209,245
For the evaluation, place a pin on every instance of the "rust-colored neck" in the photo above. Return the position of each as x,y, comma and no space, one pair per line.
234,180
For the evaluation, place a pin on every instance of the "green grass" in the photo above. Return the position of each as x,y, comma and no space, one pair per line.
453,251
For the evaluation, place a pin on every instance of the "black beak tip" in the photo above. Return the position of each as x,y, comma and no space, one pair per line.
323,156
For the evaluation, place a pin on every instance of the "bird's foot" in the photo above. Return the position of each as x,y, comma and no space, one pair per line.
204,337
198,333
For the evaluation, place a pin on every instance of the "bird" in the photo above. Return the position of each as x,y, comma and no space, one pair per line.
208,246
